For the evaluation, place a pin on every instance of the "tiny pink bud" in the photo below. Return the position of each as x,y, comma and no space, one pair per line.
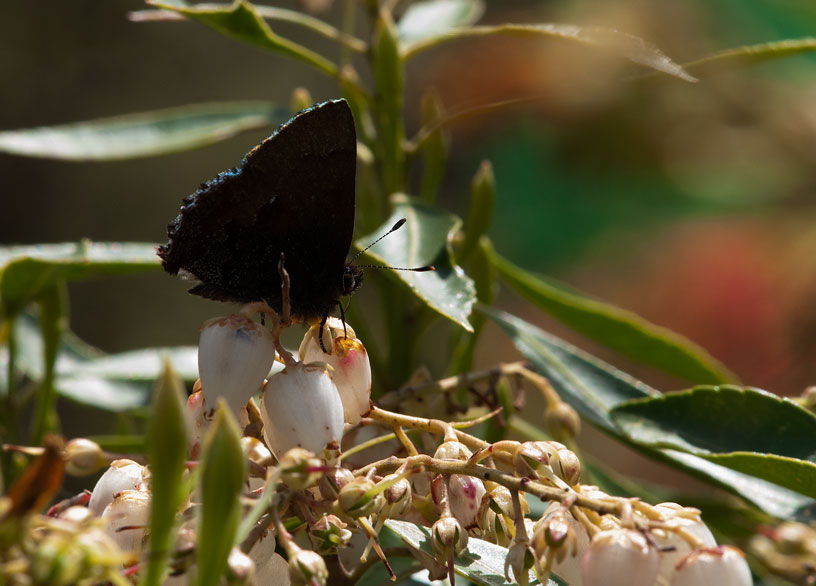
447,535
300,469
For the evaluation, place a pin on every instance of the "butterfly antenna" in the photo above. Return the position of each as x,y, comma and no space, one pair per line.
394,228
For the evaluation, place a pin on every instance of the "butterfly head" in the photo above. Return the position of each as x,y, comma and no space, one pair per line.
352,279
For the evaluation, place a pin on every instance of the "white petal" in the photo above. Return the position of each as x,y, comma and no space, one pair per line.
620,557
723,566
235,354
301,407
126,519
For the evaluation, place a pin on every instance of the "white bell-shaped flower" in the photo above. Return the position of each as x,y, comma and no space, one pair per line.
122,475
351,369
723,566
127,518
673,545
301,407
619,557
235,354
464,492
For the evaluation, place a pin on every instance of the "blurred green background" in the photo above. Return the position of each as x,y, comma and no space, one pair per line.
691,204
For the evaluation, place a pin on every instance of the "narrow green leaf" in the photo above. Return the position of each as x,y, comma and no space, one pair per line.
435,148
137,365
748,430
434,17
143,134
594,388
480,209
751,55
27,271
223,467
166,453
628,46
425,240
53,305
621,330
482,562
116,396
389,84
241,21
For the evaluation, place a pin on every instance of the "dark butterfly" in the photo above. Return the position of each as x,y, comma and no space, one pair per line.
291,194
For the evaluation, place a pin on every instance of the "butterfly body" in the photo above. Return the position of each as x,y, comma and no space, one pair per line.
291,194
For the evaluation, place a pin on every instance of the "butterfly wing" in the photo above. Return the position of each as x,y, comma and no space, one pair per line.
293,193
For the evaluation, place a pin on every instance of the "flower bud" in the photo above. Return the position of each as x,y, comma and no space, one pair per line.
620,557
351,369
300,469
301,407
307,567
235,354
255,451
465,495
356,498
241,568
559,543
328,533
83,457
333,480
398,495
723,566
519,559
127,518
447,535
76,514
122,475
566,466
562,422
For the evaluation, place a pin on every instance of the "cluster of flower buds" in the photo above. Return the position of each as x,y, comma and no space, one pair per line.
323,504
665,544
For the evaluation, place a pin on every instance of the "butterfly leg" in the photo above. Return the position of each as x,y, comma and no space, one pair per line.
343,318
285,283
320,332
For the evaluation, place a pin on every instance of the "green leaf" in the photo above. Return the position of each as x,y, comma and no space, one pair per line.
480,209
434,17
223,467
425,240
166,453
241,21
748,430
53,302
435,148
142,134
27,271
616,328
594,388
482,562
137,365
752,55
628,46
389,83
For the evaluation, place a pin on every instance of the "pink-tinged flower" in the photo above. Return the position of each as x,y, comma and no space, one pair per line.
235,354
351,369
127,518
122,475
619,557
301,407
723,566
464,492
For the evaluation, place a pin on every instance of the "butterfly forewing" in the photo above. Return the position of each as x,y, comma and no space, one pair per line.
293,193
